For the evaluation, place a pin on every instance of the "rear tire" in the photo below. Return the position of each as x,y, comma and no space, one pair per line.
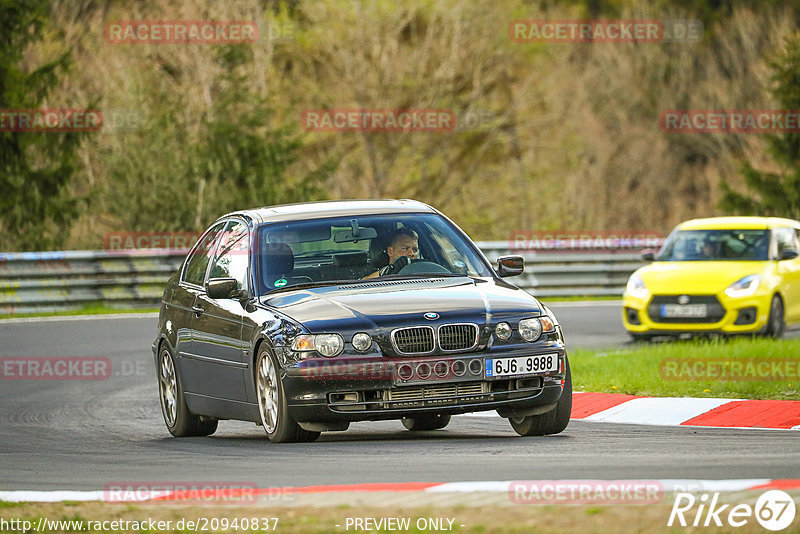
179,420
272,406
776,324
552,422
426,422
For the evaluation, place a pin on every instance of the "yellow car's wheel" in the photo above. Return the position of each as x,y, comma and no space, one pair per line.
776,323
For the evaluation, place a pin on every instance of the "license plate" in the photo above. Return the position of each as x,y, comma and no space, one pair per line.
684,310
521,365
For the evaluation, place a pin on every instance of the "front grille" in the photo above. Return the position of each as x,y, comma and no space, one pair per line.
715,312
434,391
458,336
420,339
415,340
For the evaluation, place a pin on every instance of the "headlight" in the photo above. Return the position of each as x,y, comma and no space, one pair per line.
329,345
362,341
503,331
531,329
744,287
636,287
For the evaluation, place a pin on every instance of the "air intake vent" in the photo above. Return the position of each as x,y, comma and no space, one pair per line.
398,283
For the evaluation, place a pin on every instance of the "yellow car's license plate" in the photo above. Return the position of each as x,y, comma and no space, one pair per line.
684,310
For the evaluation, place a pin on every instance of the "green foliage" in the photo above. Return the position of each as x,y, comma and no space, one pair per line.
243,158
171,177
36,168
777,194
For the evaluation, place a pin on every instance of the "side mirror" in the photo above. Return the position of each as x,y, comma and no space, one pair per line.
510,266
788,254
649,254
222,288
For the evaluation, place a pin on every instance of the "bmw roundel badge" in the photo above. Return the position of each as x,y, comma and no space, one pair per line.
431,316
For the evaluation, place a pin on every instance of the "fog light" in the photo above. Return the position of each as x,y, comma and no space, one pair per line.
423,370
459,367
405,371
476,367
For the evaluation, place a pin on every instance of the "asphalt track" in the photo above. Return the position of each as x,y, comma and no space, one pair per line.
74,435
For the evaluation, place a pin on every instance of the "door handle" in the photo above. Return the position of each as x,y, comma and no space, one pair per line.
197,310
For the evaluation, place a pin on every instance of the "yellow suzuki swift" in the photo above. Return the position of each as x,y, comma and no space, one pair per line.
728,275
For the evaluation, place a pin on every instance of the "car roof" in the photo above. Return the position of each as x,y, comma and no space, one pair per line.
737,223
331,208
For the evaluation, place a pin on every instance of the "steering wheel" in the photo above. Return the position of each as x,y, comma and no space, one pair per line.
419,266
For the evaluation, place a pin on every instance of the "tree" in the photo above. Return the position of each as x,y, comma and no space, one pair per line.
35,168
775,193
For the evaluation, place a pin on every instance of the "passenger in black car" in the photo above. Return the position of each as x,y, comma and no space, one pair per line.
403,247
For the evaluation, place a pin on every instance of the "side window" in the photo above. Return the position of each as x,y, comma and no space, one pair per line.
195,270
232,258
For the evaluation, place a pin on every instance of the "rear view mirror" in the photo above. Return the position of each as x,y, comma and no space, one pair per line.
648,254
510,266
361,234
788,254
222,288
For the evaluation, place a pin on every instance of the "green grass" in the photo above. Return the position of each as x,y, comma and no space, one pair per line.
89,309
638,370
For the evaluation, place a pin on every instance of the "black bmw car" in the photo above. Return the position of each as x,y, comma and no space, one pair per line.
303,318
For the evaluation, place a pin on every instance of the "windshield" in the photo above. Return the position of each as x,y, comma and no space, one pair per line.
716,245
351,249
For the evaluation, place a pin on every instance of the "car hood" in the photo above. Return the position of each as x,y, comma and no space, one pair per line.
391,303
695,277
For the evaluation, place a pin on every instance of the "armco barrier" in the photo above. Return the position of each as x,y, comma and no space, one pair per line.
52,281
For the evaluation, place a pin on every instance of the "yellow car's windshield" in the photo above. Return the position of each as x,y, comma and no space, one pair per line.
716,245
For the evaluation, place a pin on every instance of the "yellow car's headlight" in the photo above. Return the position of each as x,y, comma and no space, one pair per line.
745,287
636,287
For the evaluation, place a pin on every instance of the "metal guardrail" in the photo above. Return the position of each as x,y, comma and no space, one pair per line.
53,281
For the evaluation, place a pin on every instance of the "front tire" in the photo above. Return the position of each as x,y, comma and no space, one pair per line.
180,421
552,422
275,418
426,422
776,324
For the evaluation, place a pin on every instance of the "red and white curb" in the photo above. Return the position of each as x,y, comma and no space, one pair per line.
728,413
501,486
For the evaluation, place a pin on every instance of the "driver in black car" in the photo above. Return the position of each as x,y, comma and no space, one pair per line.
403,247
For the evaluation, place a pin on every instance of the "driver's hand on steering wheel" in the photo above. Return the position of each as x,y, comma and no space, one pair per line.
397,266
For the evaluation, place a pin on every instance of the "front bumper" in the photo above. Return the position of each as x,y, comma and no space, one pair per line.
741,315
372,390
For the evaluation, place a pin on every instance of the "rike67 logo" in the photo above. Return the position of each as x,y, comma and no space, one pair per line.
774,510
